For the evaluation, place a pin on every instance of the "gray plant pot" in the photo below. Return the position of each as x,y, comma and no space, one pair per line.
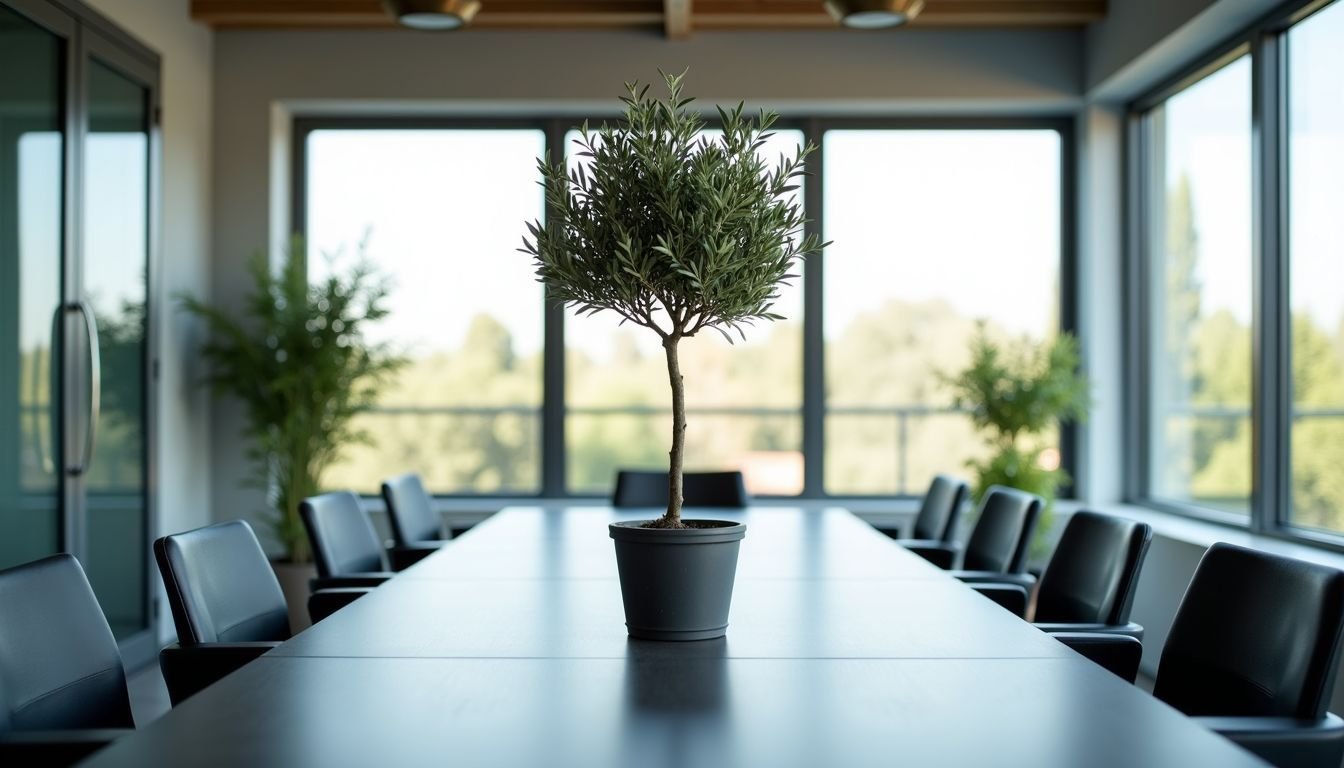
677,584
294,581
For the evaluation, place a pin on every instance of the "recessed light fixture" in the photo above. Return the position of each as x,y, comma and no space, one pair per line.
873,14
432,14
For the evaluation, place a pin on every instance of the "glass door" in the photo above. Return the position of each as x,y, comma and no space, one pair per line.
114,246
32,239
77,181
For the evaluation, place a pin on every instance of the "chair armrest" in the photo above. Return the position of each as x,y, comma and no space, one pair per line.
1131,629
325,602
1023,580
941,553
406,555
1119,654
188,669
891,533
1011,597
351,580
63,747
1284,740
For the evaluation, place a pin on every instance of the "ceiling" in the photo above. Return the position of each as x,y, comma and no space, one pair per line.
677,18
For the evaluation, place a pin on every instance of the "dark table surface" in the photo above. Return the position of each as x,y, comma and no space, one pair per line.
508,648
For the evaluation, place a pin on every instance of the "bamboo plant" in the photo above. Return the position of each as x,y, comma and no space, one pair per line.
673,230
296,357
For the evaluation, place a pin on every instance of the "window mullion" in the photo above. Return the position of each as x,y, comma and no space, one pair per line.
814,342
1272,386
553,467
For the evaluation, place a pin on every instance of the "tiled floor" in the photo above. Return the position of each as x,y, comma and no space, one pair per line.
149,697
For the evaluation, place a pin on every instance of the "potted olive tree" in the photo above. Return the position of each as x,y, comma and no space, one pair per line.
1016,393
678,232
295,356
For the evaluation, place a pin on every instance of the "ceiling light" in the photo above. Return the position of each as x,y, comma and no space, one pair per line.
432,14
873,14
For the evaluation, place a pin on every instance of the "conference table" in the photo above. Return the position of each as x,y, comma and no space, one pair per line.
508,648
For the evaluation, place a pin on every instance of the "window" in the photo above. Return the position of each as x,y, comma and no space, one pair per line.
442,212
1239,180
933,230
744,400
1199,242
440,206
1316,254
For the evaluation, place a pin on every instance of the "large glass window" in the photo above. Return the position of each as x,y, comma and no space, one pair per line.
1316,253
744,400
441,212
933,230
1198,240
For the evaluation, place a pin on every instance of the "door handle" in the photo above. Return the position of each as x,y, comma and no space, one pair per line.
95,385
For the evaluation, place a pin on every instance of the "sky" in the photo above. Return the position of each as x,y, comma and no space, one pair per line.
444,212
1208,141
115,227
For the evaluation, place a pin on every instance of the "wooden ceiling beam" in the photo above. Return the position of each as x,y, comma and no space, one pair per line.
740,14
677,17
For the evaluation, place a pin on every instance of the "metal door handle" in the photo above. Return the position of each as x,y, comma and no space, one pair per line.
95,384
44,450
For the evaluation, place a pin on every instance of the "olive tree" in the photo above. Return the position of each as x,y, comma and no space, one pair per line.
673,230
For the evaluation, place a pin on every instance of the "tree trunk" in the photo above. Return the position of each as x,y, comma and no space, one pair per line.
677,455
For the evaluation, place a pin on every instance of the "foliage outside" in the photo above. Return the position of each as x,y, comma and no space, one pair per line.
671,230
298,361
1015,394
887,357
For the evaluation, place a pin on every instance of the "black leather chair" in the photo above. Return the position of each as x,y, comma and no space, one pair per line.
226,604
699,489
346,549
1089,583
939,511
417,529
999,543
1253,651
62,686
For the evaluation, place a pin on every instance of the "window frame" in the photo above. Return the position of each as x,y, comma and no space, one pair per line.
812,410
1270,502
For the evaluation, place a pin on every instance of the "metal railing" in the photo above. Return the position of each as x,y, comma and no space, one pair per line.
904,417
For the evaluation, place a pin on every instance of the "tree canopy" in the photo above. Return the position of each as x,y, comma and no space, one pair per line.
670,228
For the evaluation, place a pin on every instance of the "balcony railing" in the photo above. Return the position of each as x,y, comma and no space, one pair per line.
903,421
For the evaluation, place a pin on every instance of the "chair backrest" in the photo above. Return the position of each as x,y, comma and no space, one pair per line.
221,588
1256,635
938,512
1002,534
59,663
1093,573
343,539
698,489
410,511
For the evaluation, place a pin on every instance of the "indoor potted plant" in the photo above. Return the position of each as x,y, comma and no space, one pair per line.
1014,394
295,355
678,232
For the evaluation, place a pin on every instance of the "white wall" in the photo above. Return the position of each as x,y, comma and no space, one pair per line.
1101,302
183,447
261,78
1143,42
